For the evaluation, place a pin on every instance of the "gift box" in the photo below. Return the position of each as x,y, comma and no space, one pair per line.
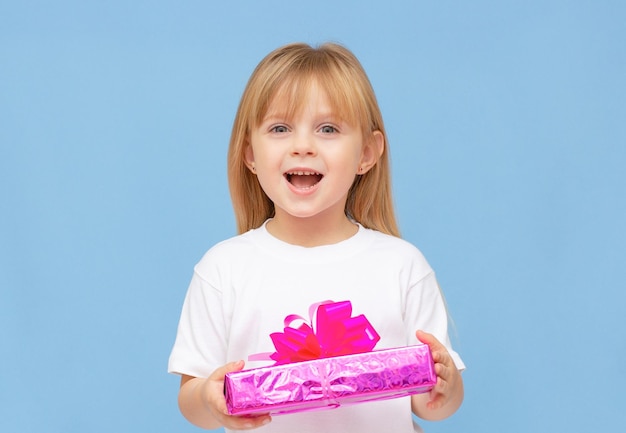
331,382
326,363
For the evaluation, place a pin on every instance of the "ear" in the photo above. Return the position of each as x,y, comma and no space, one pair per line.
372,150
249,158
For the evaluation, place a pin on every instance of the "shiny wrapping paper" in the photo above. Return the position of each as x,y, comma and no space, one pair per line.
330,382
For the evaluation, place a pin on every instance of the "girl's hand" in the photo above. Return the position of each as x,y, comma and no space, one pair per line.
447,394
209,395
216,402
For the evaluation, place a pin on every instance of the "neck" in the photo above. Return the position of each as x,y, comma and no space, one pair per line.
311,232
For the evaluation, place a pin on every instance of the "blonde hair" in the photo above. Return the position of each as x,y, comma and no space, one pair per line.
287,73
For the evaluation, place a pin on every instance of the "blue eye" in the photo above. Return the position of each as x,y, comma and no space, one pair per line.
328,129
279,129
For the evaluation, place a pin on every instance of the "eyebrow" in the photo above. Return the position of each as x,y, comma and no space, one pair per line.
282,115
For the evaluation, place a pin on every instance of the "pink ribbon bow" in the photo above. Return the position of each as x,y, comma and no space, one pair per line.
335,333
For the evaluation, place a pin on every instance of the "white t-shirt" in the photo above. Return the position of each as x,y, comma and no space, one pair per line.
244,287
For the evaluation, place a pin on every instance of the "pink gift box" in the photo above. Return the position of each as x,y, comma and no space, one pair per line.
331,382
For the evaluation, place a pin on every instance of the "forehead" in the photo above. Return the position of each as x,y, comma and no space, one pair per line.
289,102
295,95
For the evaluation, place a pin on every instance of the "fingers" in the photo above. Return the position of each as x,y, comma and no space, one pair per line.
222,371
246,422
440,392
439,351
429,339
447,394
443,369
436,401
216,385
218,402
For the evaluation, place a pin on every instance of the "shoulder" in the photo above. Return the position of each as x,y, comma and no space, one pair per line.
241,247
398,252
233,244
393,245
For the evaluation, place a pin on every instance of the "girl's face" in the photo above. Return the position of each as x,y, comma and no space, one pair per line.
307,164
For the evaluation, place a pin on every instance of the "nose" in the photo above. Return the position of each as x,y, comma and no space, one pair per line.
303,144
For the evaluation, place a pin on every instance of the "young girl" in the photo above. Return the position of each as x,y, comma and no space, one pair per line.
309,178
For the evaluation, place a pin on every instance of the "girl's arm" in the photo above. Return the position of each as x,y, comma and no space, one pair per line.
447,395
202,402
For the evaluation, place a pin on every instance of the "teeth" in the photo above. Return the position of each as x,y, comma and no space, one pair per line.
302,173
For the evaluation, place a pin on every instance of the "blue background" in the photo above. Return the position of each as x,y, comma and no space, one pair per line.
507,133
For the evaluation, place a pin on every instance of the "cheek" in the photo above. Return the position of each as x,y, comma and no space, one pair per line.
268,166
352,160
269,177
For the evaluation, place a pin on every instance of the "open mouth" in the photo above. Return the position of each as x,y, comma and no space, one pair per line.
303,179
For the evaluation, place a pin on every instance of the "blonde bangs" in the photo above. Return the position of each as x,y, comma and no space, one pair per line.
287,91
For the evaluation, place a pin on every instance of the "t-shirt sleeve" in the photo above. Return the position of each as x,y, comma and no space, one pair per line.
200,345
426,310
